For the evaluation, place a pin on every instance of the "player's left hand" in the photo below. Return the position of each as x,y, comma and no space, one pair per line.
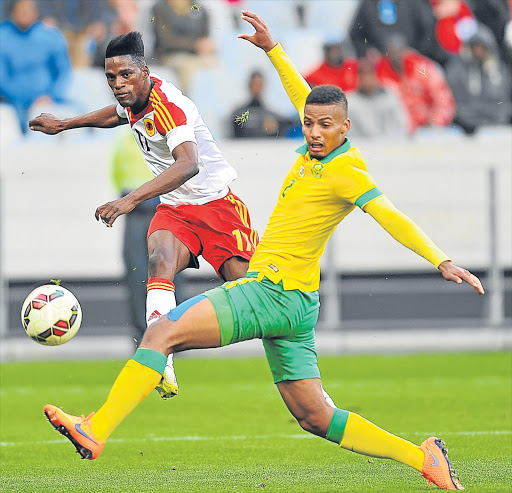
110,211
451,272
262,37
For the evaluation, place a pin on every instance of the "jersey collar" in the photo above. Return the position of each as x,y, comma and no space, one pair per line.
154,86
303,149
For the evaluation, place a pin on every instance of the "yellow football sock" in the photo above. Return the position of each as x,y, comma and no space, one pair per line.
364,437
136,380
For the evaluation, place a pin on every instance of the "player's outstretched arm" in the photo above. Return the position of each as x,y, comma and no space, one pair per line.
104,118
293,82
405,230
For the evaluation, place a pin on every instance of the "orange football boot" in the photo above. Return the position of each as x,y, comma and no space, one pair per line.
76,429
436,467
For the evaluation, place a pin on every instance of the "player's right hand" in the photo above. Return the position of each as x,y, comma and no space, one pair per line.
110,211
262,37
46,123
458,275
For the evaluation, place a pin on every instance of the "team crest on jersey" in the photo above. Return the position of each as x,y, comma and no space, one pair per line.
317,170
150,126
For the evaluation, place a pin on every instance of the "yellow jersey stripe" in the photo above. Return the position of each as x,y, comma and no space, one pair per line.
158,105
162,124
157,101
167,114
155,96
163,120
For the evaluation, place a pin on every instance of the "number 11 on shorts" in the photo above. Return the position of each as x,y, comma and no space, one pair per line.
243,242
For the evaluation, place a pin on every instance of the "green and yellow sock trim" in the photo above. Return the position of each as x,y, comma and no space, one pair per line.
150,358
337,426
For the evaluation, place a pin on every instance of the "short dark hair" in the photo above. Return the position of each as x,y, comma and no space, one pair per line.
127,44
326,94
256,73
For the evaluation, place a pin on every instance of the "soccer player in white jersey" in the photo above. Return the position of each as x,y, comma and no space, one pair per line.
198,213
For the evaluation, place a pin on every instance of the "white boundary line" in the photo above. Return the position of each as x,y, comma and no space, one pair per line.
242,437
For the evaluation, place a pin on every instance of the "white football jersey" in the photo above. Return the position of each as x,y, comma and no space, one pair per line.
170,119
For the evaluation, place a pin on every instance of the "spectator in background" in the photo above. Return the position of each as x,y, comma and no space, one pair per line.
129,171
496,15
480,83
336,69
375,111
121,19
376,20
78,20
260,121
455,24
182,38
236,7
34,65
421,84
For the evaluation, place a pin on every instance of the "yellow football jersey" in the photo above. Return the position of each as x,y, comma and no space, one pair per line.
314,199
315,196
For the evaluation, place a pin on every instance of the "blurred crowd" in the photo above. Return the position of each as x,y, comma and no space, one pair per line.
436,62
405,64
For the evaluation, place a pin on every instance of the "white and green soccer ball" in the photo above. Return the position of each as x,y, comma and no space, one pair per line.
51,315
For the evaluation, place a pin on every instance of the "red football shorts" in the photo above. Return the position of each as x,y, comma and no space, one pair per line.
217,230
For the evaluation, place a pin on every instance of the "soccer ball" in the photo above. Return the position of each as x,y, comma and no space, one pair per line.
51,315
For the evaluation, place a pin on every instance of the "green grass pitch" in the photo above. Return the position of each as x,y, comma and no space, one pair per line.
229,430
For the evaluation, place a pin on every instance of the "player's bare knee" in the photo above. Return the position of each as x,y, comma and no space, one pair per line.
314,422
311,426
166,336
157,335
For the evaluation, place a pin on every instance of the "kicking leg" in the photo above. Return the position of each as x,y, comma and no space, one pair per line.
167,257
195,326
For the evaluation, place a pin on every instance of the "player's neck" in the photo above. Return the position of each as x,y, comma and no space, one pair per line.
139,106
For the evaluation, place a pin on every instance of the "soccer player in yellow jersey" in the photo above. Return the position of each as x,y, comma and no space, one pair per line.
277,301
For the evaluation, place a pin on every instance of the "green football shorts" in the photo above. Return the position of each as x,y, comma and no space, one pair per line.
284,320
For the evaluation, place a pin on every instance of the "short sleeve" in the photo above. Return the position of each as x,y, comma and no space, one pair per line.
121,111
168,116
178,135
355,185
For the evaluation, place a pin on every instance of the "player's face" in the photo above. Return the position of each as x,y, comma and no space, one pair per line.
129,83
324,128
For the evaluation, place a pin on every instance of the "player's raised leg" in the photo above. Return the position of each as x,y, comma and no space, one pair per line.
192,324
167,257
305,400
